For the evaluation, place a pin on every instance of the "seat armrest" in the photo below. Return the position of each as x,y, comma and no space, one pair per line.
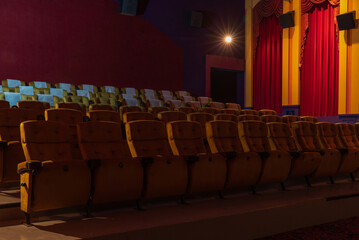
230,155
93,163
343,151
264,155
294,154
192,158
29,166
3,144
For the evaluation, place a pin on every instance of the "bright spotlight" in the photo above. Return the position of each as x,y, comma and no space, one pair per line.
228,39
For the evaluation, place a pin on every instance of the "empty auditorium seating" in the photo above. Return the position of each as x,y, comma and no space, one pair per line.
271,118
154,103
11,97
234,106
309,119
170,116
78,99
247,117
186,110
105,101
276,163
104,115
133,116
201,118
267,112
204,100
156,110
329,138
71,105
288,119
69,88
110,89
228,117
217,105
11,152
304,163
164,174
40,85
4,104
305,134
230,111
88,87
102,107
248,112
206,172
243,168
50,178
36,106
12,83
70,117
130,92
125,109
180,94
210,110
174,104
115,175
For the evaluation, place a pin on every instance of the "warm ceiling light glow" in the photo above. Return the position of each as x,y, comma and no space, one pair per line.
228,39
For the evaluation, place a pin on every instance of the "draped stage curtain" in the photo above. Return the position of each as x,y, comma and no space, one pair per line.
267,74
267,79
320,58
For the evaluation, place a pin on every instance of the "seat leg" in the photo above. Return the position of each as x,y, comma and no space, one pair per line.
352,176
308,181
88,208
282,186
27,220
253,190
220,194
331,179
139,206
183,200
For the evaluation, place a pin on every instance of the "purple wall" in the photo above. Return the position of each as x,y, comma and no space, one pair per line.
169,17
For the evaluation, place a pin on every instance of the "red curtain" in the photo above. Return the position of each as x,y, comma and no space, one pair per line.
320,65
267,81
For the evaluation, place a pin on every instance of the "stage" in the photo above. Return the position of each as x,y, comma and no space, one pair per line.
237,216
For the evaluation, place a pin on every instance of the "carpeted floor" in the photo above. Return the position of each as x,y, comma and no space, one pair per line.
344,229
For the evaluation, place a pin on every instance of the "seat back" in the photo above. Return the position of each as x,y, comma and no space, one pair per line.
234,106
170,116
204,100
210,110
267,112
249,112
228,117
46,140
102,107
71,118
40,84
155,110
70,105
305,134
185,138
248,117
4,104
253,136
133,116
202,119
102,140
10,120
347,135
104,115
147,138
230,111
309,119
288,119
223,136
154,103
217,105
125,109
186,110
88,87
35,106
281,136
329,135
110,89
271,118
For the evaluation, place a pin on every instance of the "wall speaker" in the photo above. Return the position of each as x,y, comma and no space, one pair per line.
287,19
346,20
132,7
194,19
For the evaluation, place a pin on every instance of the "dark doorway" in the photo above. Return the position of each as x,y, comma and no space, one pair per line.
227,86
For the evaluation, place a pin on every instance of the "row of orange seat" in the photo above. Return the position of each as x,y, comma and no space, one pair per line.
71,163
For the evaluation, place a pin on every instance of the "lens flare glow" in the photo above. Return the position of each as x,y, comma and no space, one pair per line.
228,39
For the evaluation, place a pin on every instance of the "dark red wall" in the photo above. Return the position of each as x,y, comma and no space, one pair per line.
85,41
